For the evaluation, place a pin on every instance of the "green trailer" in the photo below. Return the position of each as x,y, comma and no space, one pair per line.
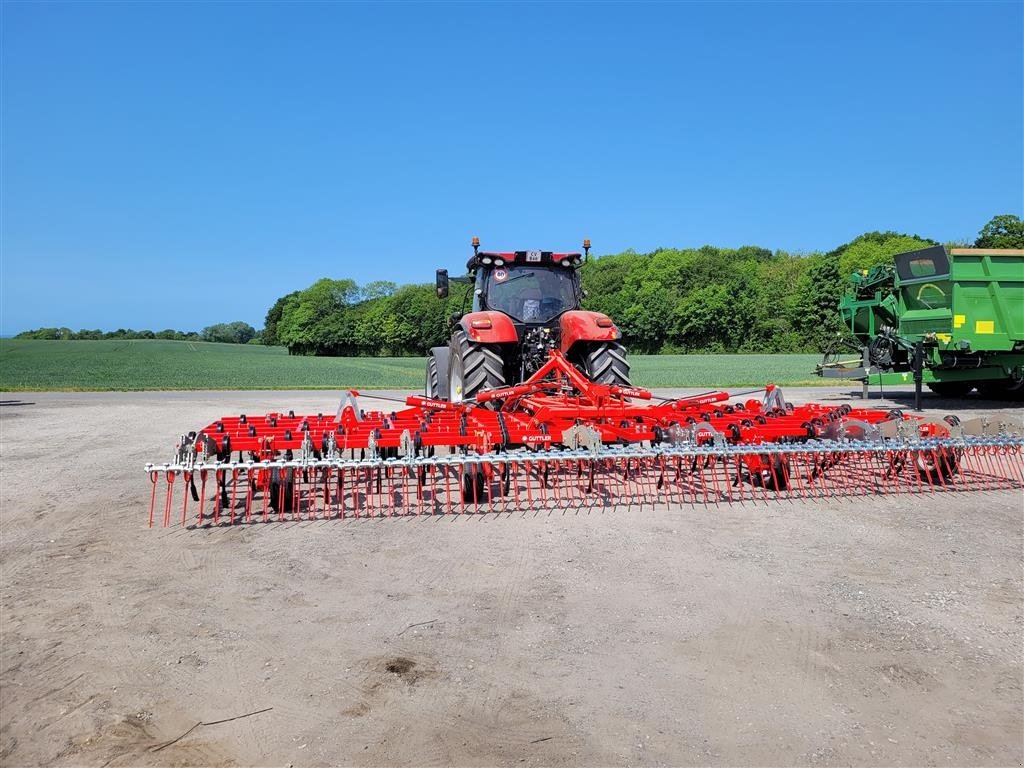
961,311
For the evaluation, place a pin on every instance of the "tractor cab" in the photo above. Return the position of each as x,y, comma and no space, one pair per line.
532,287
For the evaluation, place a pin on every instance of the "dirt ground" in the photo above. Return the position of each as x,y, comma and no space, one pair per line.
881,631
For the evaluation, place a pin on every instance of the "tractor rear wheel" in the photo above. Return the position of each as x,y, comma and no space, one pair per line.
472,368
606,363
436,384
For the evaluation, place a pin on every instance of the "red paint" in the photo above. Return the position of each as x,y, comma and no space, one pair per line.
501,330
579,325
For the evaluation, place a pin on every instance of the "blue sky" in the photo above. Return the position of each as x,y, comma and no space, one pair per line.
176,165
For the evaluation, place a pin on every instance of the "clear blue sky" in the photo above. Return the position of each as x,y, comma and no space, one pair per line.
176,165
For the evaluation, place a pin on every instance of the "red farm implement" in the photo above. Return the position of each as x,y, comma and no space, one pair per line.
531,407
561,441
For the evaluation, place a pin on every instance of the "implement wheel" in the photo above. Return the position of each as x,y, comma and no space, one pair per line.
606,363
472,367
938,466
282,481
474,486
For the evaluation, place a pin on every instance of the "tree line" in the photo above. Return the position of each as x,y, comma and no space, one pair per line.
691,300
231,333
699,300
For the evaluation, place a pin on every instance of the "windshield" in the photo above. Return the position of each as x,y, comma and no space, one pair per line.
531,294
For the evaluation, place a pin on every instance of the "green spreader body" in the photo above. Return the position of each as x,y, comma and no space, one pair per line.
964,306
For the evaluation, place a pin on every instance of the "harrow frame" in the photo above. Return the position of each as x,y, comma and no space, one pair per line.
560,440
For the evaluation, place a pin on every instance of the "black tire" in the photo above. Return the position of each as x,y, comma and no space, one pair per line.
606,363
436,381
1002,389
474,486
936,467
775,477
277,482
472,368
951,388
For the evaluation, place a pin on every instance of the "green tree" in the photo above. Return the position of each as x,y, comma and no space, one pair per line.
874,248
236,332
1003,231
270,337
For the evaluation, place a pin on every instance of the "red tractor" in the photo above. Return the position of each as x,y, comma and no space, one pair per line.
525,303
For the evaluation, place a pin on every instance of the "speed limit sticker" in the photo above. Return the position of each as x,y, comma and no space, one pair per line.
500,275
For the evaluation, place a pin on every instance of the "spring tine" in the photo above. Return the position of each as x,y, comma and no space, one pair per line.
556,477
513,479
184,506
489,486
234,495
1014,460
993,457
153,476
202,495
248,497
328,496
339,493
218,480
647,481
418,477
169,499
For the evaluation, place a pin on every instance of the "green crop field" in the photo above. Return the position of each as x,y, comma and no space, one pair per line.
28,365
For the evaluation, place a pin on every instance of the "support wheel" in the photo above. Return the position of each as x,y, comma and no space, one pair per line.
278,482
472,367
474,486
937,467
606,363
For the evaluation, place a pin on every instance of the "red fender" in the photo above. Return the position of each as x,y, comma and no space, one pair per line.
586,326
489,327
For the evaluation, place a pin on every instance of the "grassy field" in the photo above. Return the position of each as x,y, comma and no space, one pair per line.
27,365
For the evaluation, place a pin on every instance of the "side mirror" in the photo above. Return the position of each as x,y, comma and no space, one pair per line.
441,283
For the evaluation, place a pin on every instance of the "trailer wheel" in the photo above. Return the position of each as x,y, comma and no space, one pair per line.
606,364
950,388
1003,389
472,367
436,380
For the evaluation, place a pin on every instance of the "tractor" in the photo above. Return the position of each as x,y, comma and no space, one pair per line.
530,406
525,304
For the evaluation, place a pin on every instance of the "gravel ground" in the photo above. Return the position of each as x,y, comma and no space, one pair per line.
875,631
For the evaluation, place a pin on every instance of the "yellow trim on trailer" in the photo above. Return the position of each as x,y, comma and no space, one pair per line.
959,320
985,326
